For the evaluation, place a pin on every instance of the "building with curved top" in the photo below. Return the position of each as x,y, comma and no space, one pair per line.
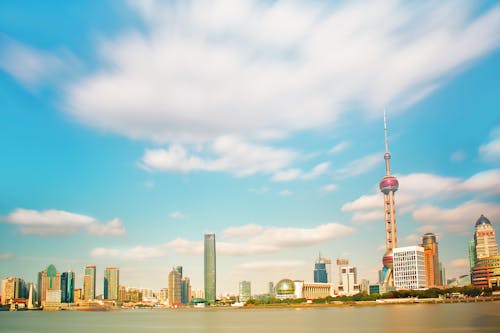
431,260
484,239
486,270
49,286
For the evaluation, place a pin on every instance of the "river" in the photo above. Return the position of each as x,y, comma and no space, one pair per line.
459,317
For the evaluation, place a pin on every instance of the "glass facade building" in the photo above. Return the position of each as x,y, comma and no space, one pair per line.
210,268
320,273
111,283
68,287
89,283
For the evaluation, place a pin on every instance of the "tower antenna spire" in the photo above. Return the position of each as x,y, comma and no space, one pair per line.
387,155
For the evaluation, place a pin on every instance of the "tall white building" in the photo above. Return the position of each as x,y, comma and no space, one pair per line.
348,278
409,267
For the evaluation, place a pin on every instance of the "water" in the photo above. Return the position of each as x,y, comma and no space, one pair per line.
462,317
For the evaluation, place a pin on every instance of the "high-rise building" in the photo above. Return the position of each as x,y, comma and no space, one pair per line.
49,286
472,255
431,260
409,267
185,290
89,283
348,278
320,271
271,291
486,270
68,287
111,283
484,239
174,288
8,290
388,186
163,296
245,291
210,268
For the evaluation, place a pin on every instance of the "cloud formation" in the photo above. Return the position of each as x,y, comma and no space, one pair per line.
490,151
271,68
134,253
59,223
421,193
228,154
246,240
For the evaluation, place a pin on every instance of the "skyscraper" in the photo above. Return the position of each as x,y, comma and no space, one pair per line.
111,283
185,290
409,270
245,291
89,283
484,239
174,287
486,270
210,268
68,287
431,260
49,286
320,272
388,186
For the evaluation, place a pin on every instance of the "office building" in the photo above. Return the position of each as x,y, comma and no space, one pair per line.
8,290
210,268
244,291
388,186
486,270
431,260
111,283
409,267
89,283
174,288
49,286
68,287
320,271
484,239
185,290
348,278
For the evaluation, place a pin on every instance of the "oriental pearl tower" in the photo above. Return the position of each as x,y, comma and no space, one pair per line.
388,186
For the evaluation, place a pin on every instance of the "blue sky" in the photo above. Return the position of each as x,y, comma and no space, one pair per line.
130,129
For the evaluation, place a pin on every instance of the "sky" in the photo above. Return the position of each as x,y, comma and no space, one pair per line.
129,129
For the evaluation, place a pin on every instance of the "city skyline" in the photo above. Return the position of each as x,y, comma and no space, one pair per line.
129,130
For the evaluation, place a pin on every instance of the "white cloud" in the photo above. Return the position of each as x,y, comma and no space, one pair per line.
6,256
286,175
361,165
458,218
265,69
256,239
183,246
33,67
457,156
491,151
317,171
293,174
340,147
58,222
177,215
134,253
415,190
329,188
231,154
285,193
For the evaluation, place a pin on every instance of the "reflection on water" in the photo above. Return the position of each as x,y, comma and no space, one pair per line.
462,317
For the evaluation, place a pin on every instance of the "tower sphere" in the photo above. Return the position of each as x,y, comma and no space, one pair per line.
388,259
388,184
